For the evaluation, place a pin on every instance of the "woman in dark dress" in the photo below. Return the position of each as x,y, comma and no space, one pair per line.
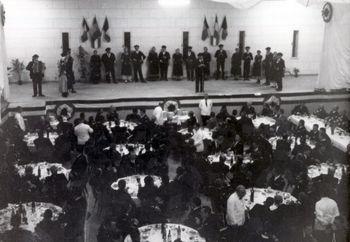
95,65
177,65
126,65
153,66
257,66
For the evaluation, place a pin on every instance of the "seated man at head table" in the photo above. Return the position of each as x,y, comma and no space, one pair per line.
133,117
43,146
248,109
300,109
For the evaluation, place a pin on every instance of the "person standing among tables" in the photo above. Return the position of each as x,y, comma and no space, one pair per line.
95,65
153,65
200,73
236,63
19,118
164,58
220,56
177,65
126,65
247,58
279,68
137,58
36,70
257,66
108,60
70,72
268,66
207,60
205,106
190,60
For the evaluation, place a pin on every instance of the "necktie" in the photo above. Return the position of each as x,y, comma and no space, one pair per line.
206,104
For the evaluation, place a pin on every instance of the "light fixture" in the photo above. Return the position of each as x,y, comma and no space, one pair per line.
173,3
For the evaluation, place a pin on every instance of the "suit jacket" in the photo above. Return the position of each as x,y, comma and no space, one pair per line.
220,56
268,61
137,57
279,68
31,69
108,62
206,57
164,57
190,58
247,57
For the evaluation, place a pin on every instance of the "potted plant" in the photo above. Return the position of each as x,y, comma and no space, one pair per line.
296,72
17,68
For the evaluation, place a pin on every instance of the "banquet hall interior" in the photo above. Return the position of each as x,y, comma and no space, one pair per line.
174,120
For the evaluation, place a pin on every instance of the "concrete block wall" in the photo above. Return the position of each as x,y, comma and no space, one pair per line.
36,26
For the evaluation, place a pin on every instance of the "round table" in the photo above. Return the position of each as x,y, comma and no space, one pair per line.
230,159
314,171
30,137
122,123
44,169
132,185
260,195
33,217
273,142
153,233
123,149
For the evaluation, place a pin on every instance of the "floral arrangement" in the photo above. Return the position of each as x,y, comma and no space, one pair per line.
336,120
17,68
83,63
171,106
320,112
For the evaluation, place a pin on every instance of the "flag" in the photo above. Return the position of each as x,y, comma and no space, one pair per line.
105,28
216,31
205,32
95,34
84,36
224,29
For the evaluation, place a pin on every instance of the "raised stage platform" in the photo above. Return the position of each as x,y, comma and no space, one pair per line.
123,96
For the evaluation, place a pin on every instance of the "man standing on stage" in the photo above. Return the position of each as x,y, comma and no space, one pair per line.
236,63
164,58
200,69
137,58
36,69
247,58
207,60
205,106
279,68
70,72
95,66
220,56
190,60
108,60
268,65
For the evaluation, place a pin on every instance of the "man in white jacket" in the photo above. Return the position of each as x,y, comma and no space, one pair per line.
205,106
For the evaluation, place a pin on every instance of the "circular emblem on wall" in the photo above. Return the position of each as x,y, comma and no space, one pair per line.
327,12
65,110
2,14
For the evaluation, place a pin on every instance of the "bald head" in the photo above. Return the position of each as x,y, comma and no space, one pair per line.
240,190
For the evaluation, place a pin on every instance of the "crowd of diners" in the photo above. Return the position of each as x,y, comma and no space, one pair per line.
203,196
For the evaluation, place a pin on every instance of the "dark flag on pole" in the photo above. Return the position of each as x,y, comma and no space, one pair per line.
224,29
205,32
84,36
105,28
216,31
95,34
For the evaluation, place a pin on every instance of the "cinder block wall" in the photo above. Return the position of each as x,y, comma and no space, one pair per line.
36,26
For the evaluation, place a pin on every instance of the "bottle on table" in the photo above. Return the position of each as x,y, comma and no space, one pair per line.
33,207
39,172
169,239
252,194
179,232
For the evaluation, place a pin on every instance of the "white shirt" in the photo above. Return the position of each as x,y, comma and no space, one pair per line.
326,210
235,213
198,138
83,131
20,121
158,114
205,108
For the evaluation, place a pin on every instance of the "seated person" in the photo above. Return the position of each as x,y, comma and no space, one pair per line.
301,148
63,148
212,122
313,134
144,119
266,111
283,144
49,229
321,112
300,109
56,186
277,180
191,122
238,146
247,126
112,114
30,185
133,117
149,192
248,109
323,137
210,225
121,200
300,130
194,218
223,114
43,146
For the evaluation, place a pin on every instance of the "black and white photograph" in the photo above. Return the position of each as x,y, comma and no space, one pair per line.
174,120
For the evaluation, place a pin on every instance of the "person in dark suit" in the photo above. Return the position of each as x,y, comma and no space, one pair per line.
200,73
190,60
36,72
268,65
153,65
95,65
207,60
220,56
177,65
164,58
137,58
247,58
257,66
70,72
108,60
279,67
236,62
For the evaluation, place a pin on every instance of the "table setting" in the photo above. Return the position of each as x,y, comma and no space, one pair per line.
122,123
42,169
263,120
123,149
273,142
30,137
134,182
208,134
338,170
230,158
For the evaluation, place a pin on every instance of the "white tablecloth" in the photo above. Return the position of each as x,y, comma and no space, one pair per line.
122,123
324,168
263,120
30,137
260,195
208,134
152,233
273,142
123,150
132,185
230,159
32,218
44,169
338,139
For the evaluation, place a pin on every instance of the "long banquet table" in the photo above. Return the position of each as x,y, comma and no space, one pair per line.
340,139
30,137
263,120
44,169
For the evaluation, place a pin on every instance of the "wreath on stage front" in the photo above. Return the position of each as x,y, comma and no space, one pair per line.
66,109
171,105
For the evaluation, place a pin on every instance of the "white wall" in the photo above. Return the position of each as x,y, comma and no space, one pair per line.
35,26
